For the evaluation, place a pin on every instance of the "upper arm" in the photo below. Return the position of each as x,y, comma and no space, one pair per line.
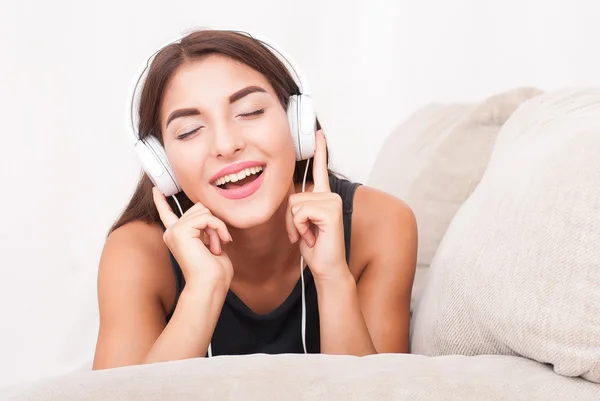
387,232
131,279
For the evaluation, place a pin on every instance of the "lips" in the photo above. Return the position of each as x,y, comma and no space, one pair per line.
237,181
235,168
249,172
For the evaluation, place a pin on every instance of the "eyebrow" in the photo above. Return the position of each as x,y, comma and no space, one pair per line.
232,99
245,92
182,113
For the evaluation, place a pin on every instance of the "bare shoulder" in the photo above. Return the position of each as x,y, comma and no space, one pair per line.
386,250
136,256
135,285
373,207
136,238
381,225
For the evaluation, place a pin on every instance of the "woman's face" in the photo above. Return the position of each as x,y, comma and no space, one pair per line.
228,140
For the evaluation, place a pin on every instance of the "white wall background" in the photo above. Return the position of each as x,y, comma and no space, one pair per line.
67,167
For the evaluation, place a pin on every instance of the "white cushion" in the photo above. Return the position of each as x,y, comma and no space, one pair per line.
518,271
435,159
316,377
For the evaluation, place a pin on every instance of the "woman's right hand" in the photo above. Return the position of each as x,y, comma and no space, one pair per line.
188,237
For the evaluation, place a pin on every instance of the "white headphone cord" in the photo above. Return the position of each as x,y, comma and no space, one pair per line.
303,328
302,275
178,205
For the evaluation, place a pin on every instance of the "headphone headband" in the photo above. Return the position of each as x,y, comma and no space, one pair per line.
285,58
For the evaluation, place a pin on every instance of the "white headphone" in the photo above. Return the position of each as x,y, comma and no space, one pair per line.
300,112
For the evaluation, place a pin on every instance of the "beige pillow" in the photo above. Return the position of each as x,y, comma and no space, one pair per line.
518,271
435,159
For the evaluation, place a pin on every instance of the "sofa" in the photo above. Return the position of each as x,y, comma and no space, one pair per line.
506,299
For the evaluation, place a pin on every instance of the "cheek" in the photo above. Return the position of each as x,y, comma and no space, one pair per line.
284,157
279,139
187,164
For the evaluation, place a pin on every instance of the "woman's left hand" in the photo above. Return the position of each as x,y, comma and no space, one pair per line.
315,218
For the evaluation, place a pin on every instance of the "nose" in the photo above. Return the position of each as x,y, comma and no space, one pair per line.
228,142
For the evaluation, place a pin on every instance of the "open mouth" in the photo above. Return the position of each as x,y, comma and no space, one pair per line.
239,179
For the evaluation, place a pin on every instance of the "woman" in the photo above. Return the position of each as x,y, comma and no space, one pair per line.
223,277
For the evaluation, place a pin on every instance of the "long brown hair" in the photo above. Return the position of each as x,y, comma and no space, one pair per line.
199,44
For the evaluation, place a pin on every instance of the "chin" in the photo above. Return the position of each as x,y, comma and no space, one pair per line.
250,216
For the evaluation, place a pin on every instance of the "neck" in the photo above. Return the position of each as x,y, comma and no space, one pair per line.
263,251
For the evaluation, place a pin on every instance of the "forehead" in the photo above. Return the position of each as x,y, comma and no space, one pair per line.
210,79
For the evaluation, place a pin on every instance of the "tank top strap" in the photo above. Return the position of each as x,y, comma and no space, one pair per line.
345,189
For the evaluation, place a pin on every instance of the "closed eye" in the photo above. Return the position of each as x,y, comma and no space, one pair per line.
186,134
251,114
254,113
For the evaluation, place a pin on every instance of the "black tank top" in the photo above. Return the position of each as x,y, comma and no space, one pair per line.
240,331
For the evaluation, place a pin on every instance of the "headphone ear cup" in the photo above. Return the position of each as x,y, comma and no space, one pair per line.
154,161
292,113
302,119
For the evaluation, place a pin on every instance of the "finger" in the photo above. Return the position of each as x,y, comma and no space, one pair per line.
196,208
205,238
222,231
203,234
210,238
305,216
302,197
297,199
320,173
214,241
165,212
211,226
289,222
303,226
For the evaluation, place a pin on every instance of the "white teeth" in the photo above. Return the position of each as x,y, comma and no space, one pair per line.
238,176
